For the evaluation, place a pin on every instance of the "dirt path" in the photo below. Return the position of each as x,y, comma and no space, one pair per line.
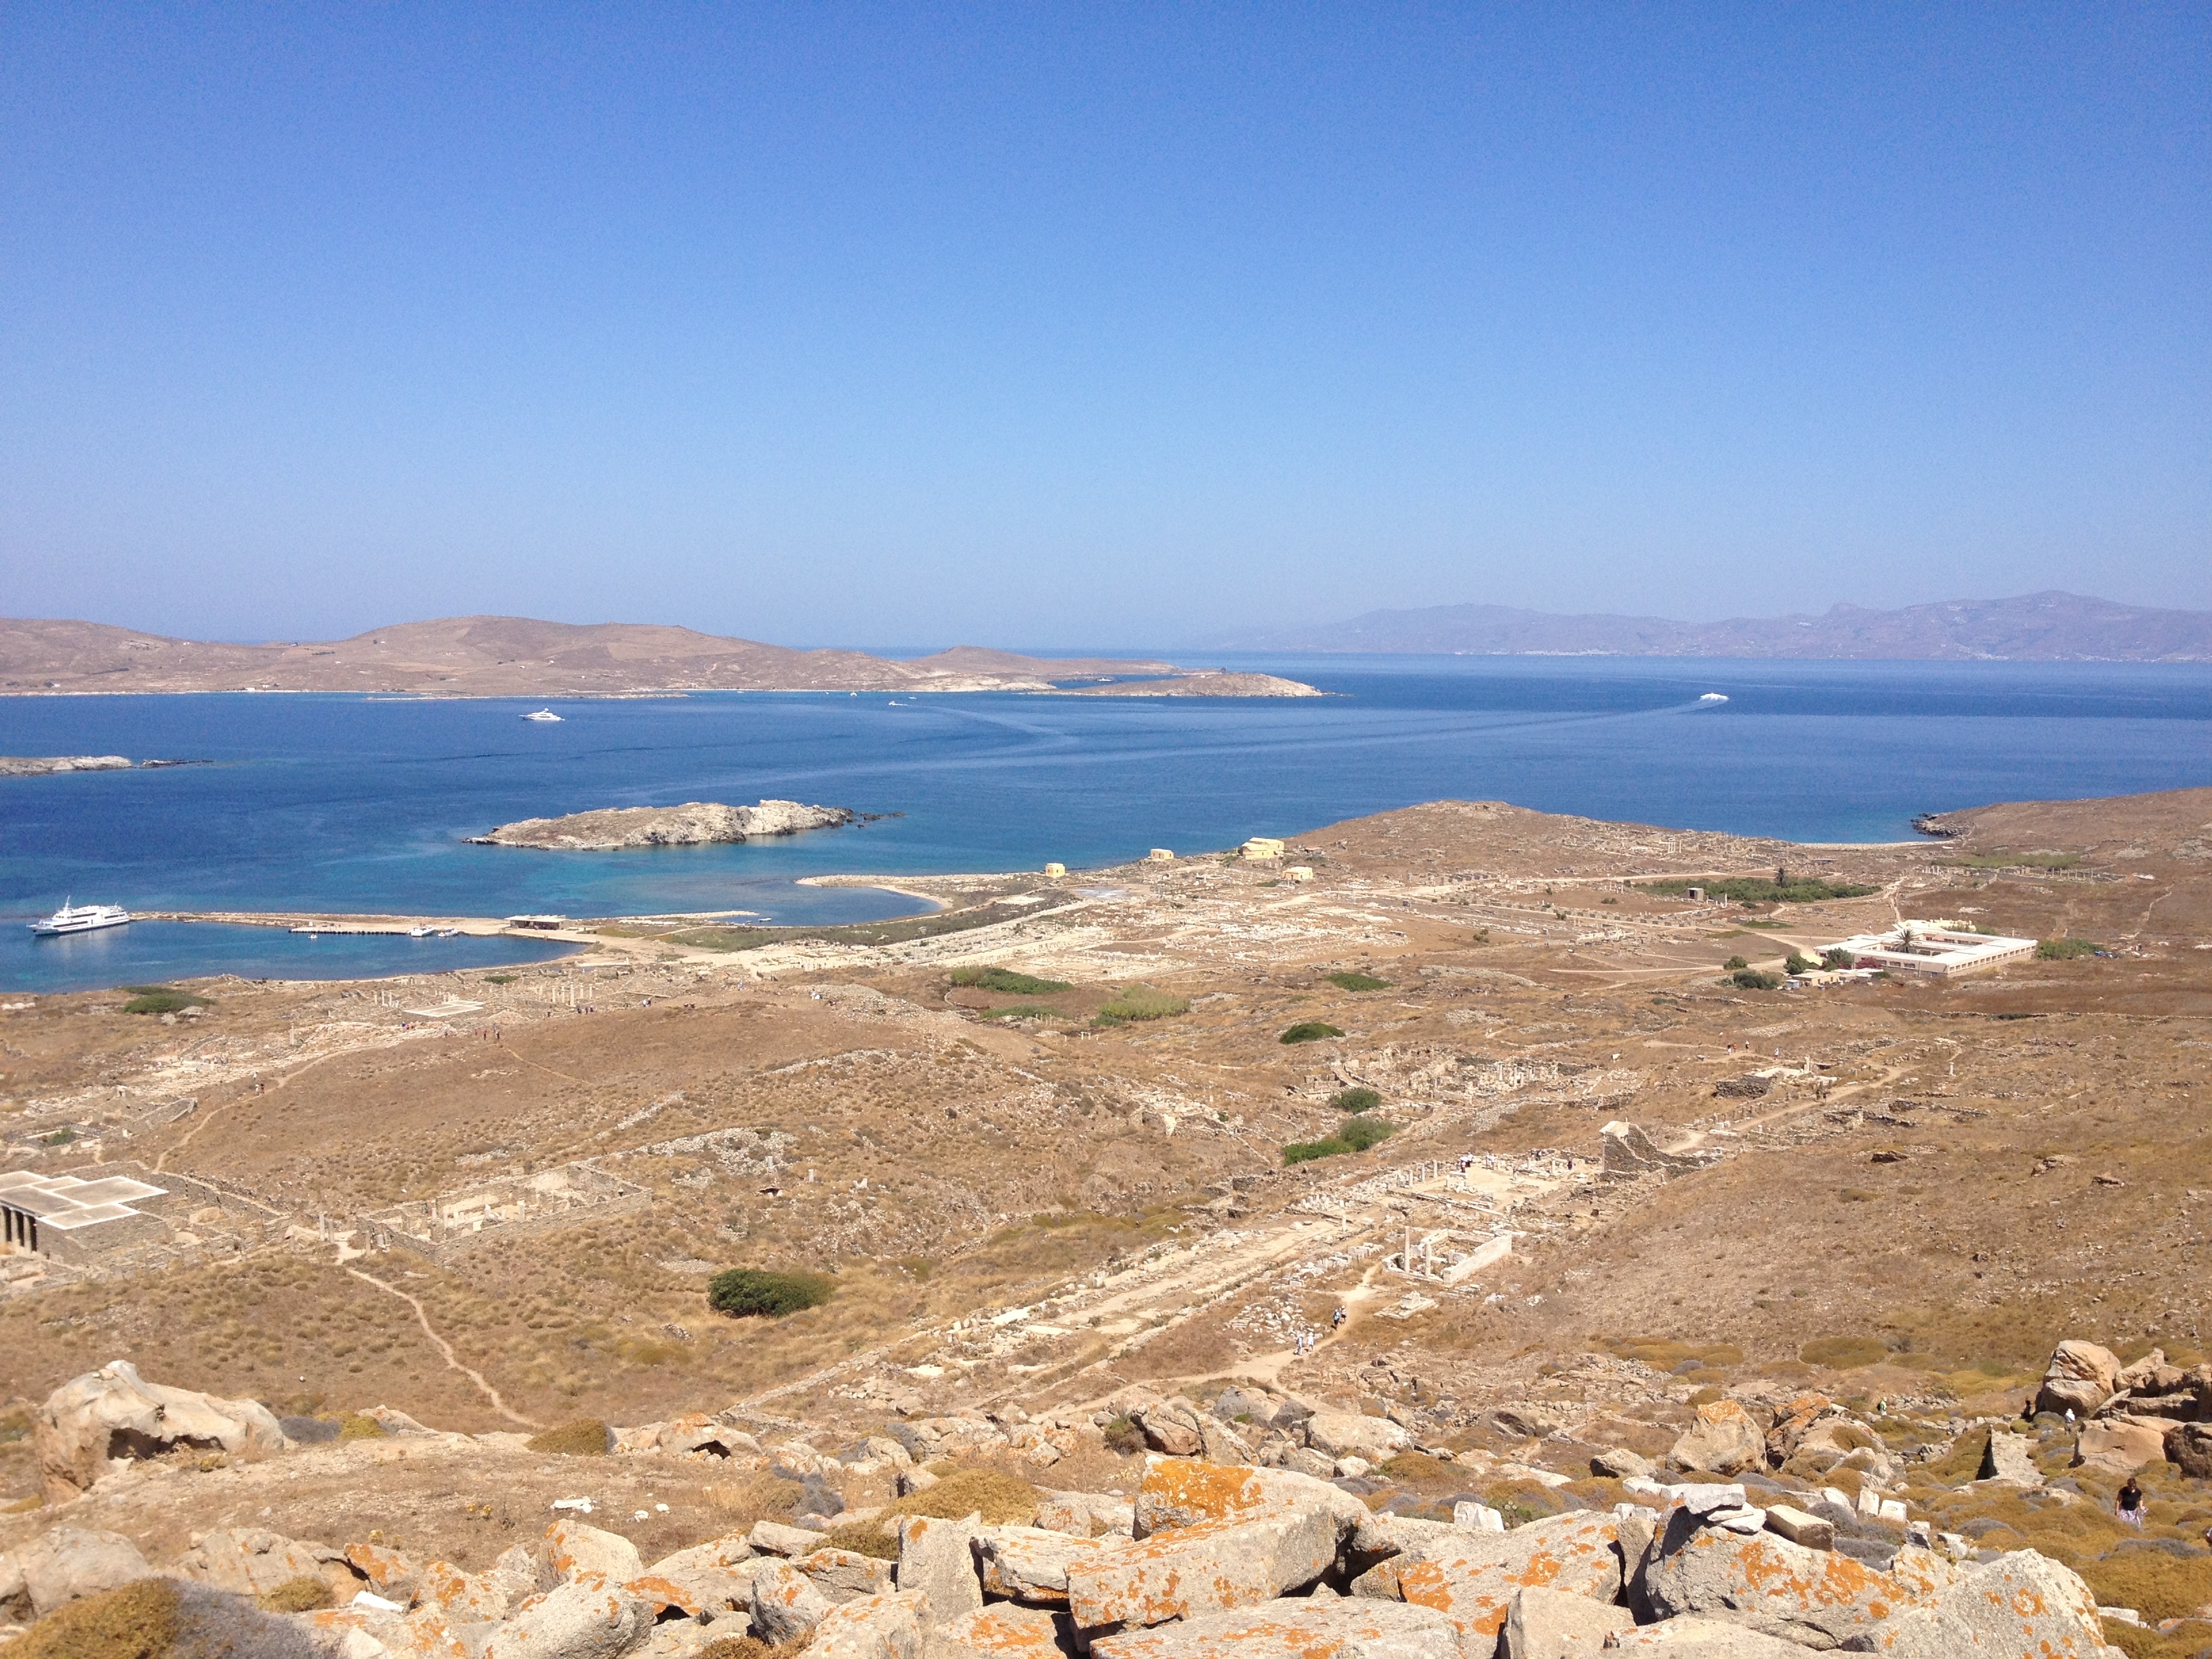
445,1348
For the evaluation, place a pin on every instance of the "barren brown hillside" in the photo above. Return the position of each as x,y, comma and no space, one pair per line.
1893,1190
490,657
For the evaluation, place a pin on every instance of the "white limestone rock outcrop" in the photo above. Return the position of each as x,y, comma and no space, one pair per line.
572,1550
59,1567
1348,1434
1726,1440
1548,1624
2023,1602
1298,1628
884,1626
695,823
1816,1598
253,1561
2080,1377
1472,1579
585,1618
104,1419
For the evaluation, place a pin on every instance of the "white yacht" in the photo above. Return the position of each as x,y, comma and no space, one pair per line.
1714,696
543,714
80,918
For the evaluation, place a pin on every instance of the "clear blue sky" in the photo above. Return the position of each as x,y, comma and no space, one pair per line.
1069,323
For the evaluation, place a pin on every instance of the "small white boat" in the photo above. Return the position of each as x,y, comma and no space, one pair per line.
1713,696
543,714
424,932
80,918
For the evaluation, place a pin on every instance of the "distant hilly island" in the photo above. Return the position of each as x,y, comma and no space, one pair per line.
2051,626
507,657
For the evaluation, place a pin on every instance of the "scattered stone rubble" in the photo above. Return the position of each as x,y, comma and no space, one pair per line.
1218,1554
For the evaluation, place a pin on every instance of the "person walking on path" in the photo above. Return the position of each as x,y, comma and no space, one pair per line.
1336,1320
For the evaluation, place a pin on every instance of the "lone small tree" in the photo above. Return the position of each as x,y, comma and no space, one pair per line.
755,1293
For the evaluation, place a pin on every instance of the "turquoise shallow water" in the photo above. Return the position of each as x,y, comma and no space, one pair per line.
337,803
150,952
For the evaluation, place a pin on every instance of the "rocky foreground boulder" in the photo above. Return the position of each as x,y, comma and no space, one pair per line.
65,1566
1210,1559
111,1415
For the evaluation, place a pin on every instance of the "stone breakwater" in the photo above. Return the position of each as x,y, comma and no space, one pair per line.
1209,684
33,766
695,823
39,765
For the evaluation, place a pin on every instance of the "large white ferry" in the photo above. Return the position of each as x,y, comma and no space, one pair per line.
544,714
80,918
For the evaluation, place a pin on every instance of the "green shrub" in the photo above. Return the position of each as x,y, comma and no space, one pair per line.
1799,962
755,1293
355,1426
2065,950
1007,980
1309,1030
587,1436
162,1000
1735,962
1137,1002
1838,958
1354,1100
1997,858
1361,1133
1124,1437
1750,978
61,1137
1356,1135
1352,982
1763,890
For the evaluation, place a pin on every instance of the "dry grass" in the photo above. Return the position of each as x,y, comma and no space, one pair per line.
161,1619
1002,1500
754,1497
752,1647
1844,1354
138,1621
302,1594
872,1538
1420,1471
1665,1353
587,1436
2155,1584
2184,1641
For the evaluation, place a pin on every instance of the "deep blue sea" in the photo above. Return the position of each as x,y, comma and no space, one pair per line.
346,804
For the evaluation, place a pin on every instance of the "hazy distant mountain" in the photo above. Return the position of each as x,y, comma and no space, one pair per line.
2037,626
499,657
